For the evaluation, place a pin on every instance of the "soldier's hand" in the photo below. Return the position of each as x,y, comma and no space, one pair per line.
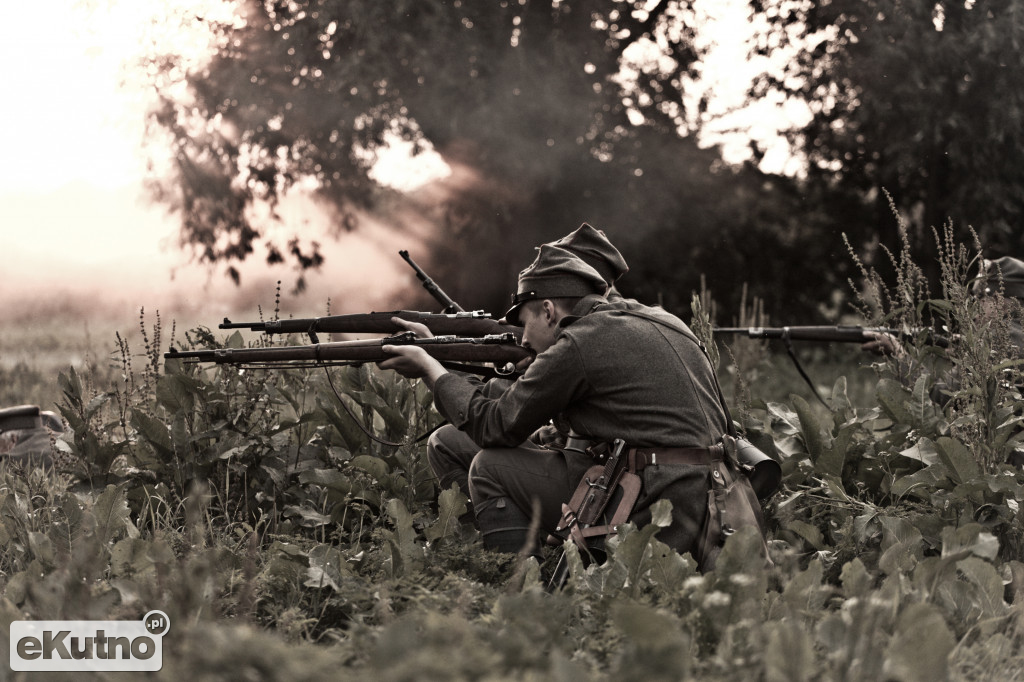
412,362
883,344
419,329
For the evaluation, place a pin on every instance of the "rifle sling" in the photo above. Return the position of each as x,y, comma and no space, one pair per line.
788,342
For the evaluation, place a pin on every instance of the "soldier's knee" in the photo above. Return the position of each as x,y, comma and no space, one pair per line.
485,463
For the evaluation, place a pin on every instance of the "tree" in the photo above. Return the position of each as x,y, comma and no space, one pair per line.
532,96
924,101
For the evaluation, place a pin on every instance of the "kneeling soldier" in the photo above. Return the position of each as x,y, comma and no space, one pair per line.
618,373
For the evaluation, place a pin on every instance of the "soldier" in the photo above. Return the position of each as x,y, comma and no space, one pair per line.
609,370
449,450
25,433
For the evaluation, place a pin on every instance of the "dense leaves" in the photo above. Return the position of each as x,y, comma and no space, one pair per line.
549,113
922,99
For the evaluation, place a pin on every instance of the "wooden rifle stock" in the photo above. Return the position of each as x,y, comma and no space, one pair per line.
500,348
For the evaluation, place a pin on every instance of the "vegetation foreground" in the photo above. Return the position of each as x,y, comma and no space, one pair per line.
283,543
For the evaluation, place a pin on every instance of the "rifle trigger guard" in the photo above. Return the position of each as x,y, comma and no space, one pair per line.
506,369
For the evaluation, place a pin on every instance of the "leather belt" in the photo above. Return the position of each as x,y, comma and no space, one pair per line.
639,459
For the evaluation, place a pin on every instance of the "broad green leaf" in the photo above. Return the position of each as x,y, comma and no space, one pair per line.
893,397
112,516
404,537
987,583
130,557
451,505
958,460
326,567
788,653
902,546
661,513
96,404
920,647
308,518
178,391
654,639
633,554
923,451
332,479
342,421
375,466
841,404
41,547
804,592
921,483
969,539
811,428
833,456
153,431
806,531
855,579
670,569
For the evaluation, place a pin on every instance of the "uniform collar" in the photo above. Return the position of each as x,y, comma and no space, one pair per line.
583,307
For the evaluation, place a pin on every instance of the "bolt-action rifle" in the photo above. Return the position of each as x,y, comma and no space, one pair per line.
475,323
828,334
455,320
451,351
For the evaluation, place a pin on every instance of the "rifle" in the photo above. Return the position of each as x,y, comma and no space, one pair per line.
451,351
828,334
475,323
823,333
437,292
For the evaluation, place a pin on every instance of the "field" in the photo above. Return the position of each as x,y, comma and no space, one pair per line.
283,544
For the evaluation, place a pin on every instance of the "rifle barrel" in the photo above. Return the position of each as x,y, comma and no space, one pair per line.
836,333
496,348
823,333
465,323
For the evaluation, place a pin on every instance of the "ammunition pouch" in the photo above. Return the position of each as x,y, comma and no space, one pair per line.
732,504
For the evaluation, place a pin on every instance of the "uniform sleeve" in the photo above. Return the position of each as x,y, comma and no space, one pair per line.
554,380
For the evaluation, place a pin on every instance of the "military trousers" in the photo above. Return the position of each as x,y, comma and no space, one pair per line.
530,476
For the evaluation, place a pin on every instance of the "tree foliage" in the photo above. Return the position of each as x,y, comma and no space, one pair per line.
923,100
529,95
557,112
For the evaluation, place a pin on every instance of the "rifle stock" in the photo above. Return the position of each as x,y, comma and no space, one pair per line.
475,323
499,348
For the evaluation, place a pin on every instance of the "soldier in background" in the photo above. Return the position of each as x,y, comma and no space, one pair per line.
26,433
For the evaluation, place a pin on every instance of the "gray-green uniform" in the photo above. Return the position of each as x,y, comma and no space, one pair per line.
449,450
610,374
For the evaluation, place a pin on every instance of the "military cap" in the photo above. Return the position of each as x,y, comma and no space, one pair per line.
1006,274
554,273
593,247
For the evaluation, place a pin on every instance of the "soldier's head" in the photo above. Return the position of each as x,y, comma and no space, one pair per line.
593,248
1000,276
548,288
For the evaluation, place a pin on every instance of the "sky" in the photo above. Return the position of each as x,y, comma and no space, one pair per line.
74,218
